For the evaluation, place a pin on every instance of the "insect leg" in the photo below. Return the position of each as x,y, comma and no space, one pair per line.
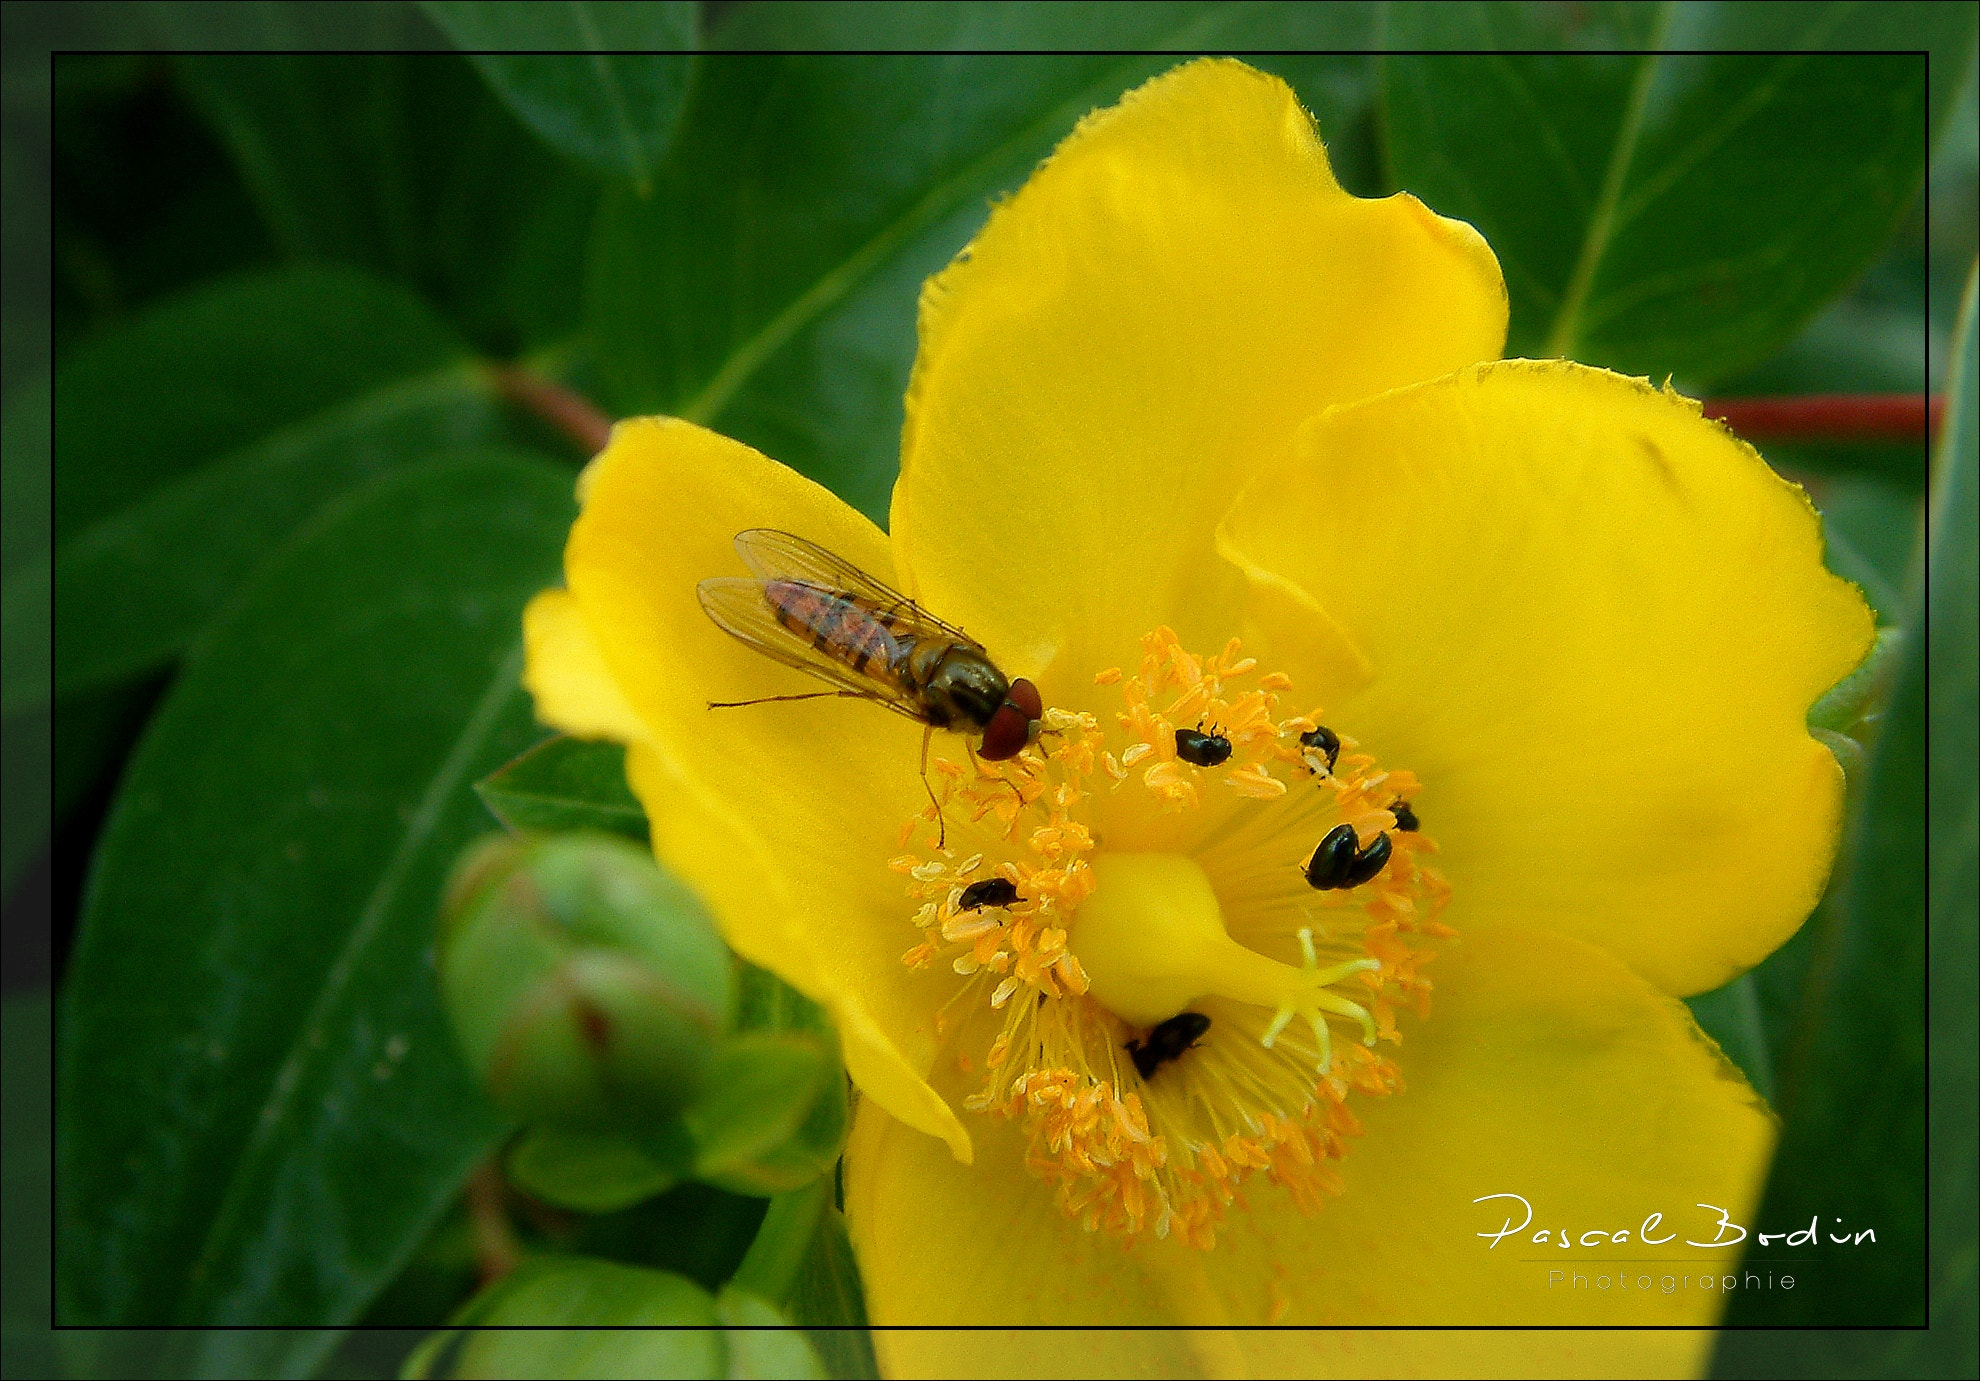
766,699
941,824
970,748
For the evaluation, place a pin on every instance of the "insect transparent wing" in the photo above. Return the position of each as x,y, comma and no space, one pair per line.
776,555
738,608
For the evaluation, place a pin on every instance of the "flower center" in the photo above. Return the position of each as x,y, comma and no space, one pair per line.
1152,941
1189,903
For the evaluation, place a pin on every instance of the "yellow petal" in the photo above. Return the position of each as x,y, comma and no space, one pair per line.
941,1243
770,922
782,815
1595,624
1508,1353
1549,1070
1152,316
567,676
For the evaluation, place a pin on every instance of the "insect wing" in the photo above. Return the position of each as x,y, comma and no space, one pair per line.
738,607
775,555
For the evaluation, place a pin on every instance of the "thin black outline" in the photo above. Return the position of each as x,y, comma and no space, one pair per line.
1179,55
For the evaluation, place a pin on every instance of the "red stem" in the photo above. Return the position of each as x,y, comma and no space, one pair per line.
1832,416
570,412
1901,417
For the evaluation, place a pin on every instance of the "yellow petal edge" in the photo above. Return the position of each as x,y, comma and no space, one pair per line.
1149,318
1595,624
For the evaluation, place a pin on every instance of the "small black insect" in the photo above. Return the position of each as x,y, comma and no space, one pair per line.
989,892
1205,750
1338,864
1325,742
1405,817
1167,1042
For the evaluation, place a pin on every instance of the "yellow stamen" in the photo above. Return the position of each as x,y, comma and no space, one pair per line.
1176,889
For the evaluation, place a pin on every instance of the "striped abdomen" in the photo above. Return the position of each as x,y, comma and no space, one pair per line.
845,628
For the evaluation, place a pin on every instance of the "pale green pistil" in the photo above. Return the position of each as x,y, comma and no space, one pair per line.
1152,941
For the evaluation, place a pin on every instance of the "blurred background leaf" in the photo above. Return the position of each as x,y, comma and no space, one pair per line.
566,784
403,164
767,287
613,110
25,623
195,439
1854,1091
1671,214
263,1110
26,1187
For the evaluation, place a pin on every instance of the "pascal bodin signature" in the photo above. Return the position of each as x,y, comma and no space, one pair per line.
1652,1231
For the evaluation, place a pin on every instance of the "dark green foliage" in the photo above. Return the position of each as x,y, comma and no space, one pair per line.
1854,1070
253,1052
290,533
614,111
1602,182
566,784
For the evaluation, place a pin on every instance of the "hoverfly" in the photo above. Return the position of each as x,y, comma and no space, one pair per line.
820,614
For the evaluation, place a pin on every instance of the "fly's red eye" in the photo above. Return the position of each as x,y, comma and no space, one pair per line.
1007,732
1025,696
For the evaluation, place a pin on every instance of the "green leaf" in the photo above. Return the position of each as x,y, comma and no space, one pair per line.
767,288
25,481
765,1003
566,784
693,1229
26,767
261,1110
584,1172
761,1342
777,1256
830,1303
802,1262
135,589
24,1306
196,438
1854,1153
1731,1017
399,162
1872,530
1953,903
761,1090
223,367
1858,694
596,88
1669,213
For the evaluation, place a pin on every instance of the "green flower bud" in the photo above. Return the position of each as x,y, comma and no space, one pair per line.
571,1316
587,988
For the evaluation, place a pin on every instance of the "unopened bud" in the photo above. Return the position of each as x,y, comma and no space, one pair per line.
575,1316
586,987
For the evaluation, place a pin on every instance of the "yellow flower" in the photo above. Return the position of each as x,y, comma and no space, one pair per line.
1198,442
